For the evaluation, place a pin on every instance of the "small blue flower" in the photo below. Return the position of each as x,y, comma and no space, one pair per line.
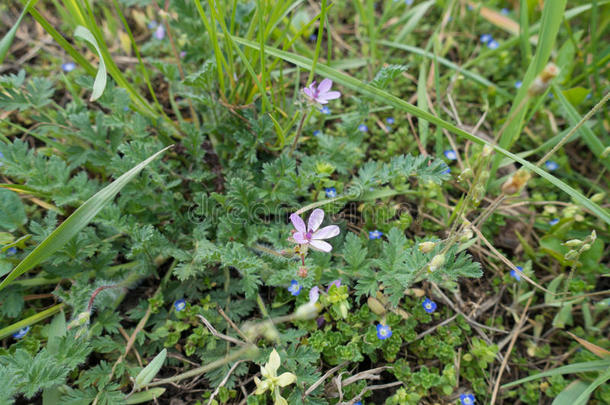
317,132
330,192
493,44
376,234
363,128
551,95
152,24
21,332
11,251
517,273
450,154
360,402
551,165
325,110
160,32
554,221
518,84
504,11
447,170
588,96
295,288
68,67
408,3
180,305
390,121
383,331
1,157
470,7
467,399
485,38
429,305
313,37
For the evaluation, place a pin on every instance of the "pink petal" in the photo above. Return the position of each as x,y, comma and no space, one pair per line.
298,223
321,100
321,246
325,85
331,95
327,232
315,219
299,237
308,92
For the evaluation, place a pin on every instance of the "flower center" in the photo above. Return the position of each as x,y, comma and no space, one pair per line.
308,235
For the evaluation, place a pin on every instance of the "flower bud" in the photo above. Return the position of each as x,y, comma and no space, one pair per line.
375,306
487,151
81,320
573,243
466,235
596,198
542,81
516,182
585,247
436,262
302,272
605,153
477,194
571,255
466,174
306,311
426,247
591,238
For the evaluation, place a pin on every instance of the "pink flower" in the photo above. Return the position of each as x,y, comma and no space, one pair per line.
322,93
311,235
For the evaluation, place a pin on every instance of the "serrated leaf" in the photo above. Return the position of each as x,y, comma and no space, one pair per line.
149,372
76,222
12,212
100,78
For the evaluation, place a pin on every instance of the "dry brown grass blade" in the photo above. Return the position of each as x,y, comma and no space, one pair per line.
497,19
595,349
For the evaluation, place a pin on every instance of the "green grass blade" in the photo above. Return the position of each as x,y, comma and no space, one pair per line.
386,98
100,78
552,17
445,62
582,398
593,142
6,42
9,330
75,222
584,367
415,15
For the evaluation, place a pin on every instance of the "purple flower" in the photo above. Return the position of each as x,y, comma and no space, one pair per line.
551,165
295,288
322,93
493,44
152,24
376,234
160,32
390,121
311,235
450,154
331,192
517,273
504,11
336,283
180,305
518,84
182,54
68,67
363,128
485,38
314,294
429,305
21,332
467,399
325,110
317,132
554,221
383,331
